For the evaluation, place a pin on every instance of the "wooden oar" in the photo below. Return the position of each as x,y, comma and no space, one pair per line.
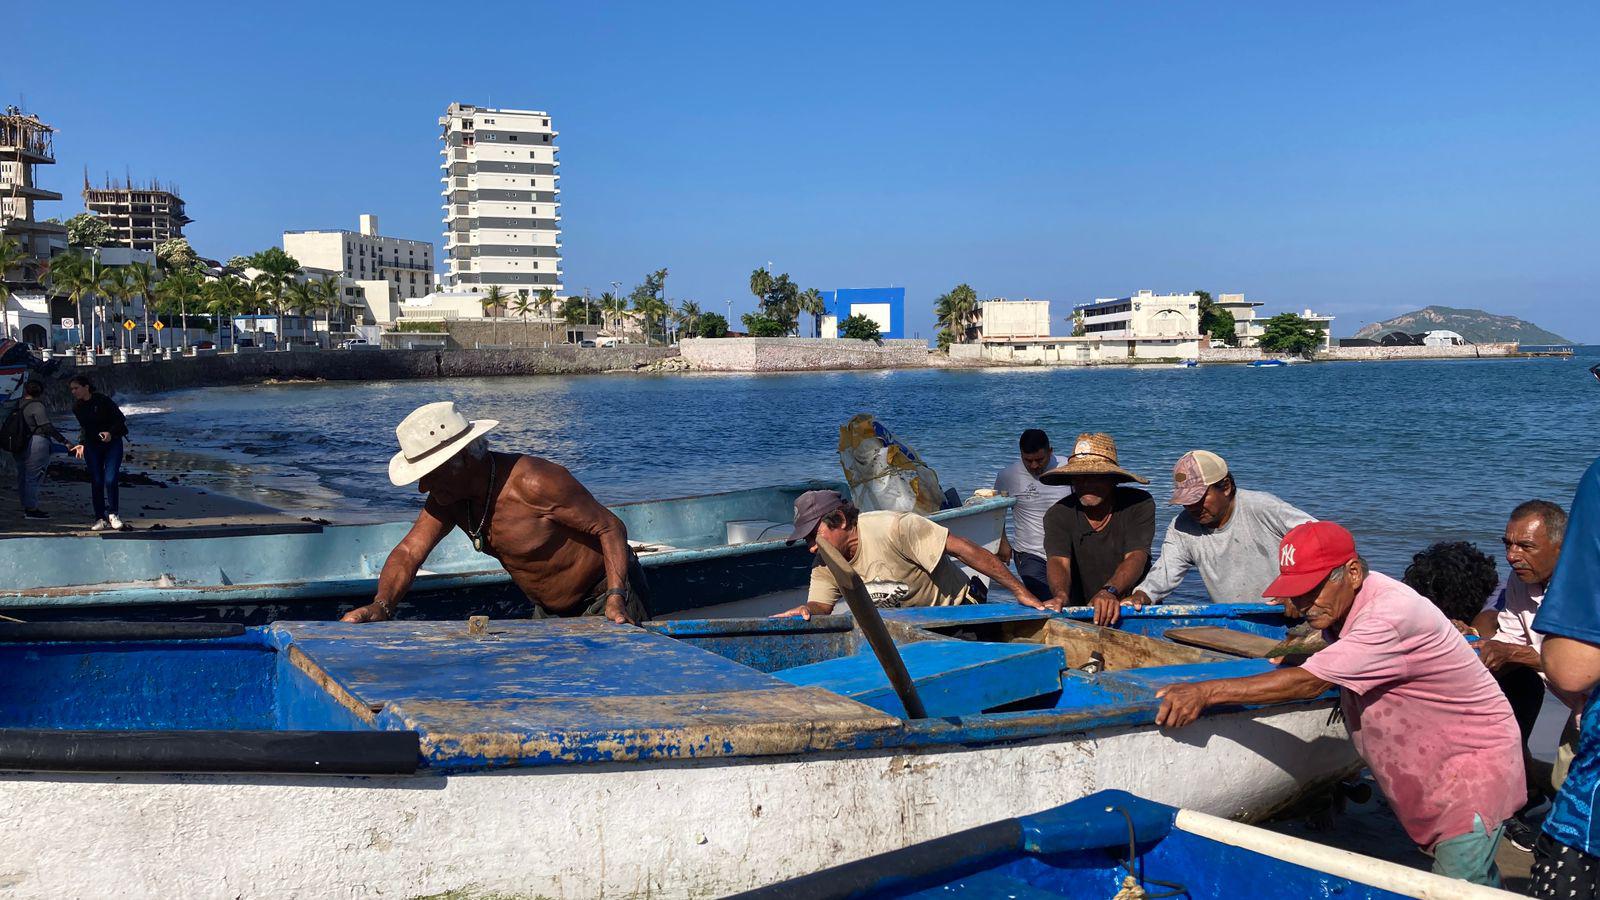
871,625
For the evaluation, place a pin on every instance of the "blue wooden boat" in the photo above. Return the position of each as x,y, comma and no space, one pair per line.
700,757
705,551
1267,363
1114,844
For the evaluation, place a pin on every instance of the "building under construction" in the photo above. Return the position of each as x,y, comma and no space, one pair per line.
25,144
140,216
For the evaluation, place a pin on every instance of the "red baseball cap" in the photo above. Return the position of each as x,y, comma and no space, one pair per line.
1307,554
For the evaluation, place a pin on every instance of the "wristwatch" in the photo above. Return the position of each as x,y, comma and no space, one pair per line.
1112,590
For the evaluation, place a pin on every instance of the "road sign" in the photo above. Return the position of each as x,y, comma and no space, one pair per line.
157,325
128,324
68,324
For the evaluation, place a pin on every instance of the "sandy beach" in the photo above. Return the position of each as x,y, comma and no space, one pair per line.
146,503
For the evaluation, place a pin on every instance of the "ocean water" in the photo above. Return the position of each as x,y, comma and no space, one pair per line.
1402,453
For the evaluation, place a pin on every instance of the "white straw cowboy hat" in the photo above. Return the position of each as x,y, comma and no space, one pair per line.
430,436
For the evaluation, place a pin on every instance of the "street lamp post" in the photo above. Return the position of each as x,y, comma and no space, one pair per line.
616,298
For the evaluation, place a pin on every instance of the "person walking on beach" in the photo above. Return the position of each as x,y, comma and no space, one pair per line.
1097,541
1422,711
1231,535
100,447
568,554
900,547
1024,549
35,457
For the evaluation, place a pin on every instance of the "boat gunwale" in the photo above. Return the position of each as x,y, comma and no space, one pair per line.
337,590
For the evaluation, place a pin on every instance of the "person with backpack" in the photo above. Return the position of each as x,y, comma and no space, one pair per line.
100,447
28,432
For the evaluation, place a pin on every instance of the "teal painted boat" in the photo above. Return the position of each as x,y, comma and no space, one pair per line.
714,550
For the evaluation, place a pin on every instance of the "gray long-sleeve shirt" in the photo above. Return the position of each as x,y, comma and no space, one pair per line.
1236,561
37,419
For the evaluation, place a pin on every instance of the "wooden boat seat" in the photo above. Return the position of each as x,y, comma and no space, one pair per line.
1224,640
954,678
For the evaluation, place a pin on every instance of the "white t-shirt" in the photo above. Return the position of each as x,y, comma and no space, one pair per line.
1034,498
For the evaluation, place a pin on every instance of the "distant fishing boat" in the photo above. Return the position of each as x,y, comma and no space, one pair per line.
1267,363
702,551
702,757
1113,844
1187,364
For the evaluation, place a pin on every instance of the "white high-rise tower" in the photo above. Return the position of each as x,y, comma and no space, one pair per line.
501,215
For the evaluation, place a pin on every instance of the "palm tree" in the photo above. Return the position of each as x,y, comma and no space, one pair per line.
226,297
11,257
523,305
72,275
652,309
495,299
547,299
688,317
760,283
117,283
956,310
612,308
142,278
275,271
305,297
330,296
180,288
811,302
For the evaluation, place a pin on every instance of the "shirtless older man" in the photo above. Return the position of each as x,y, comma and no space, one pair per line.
566,552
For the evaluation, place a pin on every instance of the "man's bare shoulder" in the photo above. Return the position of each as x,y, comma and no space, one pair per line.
534,476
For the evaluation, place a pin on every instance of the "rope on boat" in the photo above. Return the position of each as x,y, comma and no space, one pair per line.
1133,883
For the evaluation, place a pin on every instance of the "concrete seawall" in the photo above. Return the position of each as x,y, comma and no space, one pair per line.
121,379
802,354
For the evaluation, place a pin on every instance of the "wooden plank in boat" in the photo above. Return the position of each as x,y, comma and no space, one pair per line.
1226,640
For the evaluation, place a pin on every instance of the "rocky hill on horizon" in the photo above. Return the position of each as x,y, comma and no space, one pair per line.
1473,324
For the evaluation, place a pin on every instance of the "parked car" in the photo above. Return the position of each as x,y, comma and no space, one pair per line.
356,344
609,342
205,345
587,344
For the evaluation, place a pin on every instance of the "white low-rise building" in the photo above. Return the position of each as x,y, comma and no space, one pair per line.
1146,325
1009,320
406,266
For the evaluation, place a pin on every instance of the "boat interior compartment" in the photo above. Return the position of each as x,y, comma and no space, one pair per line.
574,691
239,683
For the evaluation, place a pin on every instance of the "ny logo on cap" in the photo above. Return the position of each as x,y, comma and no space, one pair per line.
1286,555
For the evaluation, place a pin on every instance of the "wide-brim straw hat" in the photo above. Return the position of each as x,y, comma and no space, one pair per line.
430,436
1094,453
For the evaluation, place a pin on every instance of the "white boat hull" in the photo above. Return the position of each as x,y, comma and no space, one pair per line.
678,830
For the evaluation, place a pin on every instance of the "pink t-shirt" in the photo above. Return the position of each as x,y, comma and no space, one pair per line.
1424,713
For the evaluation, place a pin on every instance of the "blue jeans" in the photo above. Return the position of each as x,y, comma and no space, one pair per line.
1031,569
31,464
105,462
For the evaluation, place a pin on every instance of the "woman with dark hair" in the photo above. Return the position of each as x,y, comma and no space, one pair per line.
100,447
1457,577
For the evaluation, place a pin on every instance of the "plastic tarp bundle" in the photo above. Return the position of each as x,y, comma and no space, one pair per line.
883,472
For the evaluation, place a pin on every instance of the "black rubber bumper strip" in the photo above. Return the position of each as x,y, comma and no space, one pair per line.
40,632
323,752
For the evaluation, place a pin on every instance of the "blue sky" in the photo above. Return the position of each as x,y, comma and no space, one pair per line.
1360,159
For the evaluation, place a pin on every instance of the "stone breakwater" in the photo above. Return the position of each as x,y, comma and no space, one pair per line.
158,376
802,354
